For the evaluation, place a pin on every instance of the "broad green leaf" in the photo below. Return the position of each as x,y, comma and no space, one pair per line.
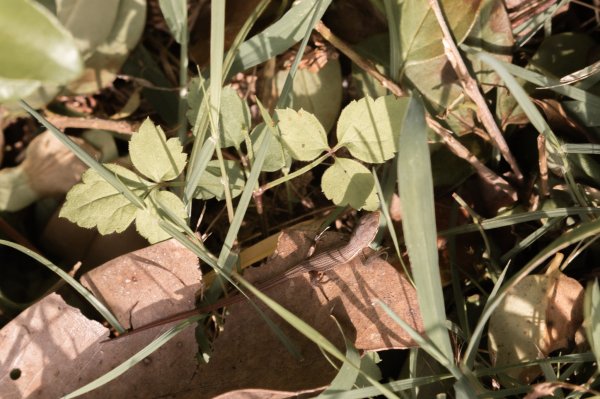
175,12
35,49
319,93
277,156
211,186
420,33
105,31
347,182
146,220
96,203
302,134
370,128
234,118
154,156
562,54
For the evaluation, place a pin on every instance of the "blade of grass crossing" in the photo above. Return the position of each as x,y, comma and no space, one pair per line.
416,195
88,296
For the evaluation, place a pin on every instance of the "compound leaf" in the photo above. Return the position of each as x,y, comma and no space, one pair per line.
146,220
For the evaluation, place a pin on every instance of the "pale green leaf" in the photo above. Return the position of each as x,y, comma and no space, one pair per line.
211,186
175,12
591,313
347,182
154,156
319,93
302,134
370,128
234,118
96,203
277,156
36,49
420,33
146,220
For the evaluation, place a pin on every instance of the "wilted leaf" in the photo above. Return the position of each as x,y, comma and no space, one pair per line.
36,50
146,220
277,156
53,338
349,182
154,156
537,316
319,93
95,203
210,184
370,128
234,118
302,134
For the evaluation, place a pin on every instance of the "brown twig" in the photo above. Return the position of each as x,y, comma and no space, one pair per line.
472,90
63,122
362,62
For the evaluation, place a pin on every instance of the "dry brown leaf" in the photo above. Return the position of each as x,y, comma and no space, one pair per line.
539,315
248,355
59,350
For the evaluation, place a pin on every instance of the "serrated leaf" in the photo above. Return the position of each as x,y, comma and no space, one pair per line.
234,118
211,186
277,156
154,156
317,92
96,203
302,134
36,49
349,182
146,220
370,128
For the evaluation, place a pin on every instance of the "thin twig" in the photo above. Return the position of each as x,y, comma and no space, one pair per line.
472,90
63,122
362,62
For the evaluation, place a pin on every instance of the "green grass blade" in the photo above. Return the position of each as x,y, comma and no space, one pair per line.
278,37
85,157
88,296
593,149
416,195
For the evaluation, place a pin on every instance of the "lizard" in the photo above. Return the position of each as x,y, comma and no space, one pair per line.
363,235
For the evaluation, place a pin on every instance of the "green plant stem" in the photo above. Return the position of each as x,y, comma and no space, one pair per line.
294,174
183,81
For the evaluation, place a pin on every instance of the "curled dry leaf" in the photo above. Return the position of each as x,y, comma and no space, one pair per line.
58,350
49,169
539,315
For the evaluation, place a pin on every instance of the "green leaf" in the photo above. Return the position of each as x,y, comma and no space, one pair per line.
591,310
96,203
211,186
319,93
105,33
36,49
420,33
234,118
277,156
370,128
146,220
302,134
174,12
154,156
349,182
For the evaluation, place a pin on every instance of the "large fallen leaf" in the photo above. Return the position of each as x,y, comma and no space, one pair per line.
56,349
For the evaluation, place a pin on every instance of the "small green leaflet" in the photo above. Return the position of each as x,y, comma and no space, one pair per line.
234,118
211,186
349,182
154,156
370,128
277,156
146,220
94,202
302,134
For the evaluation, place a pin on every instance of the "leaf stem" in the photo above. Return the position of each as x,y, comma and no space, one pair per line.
294,174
